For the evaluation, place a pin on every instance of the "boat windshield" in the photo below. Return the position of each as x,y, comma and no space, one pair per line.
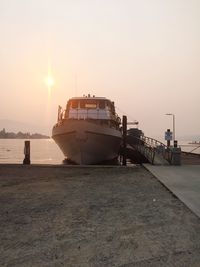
74,104
90,108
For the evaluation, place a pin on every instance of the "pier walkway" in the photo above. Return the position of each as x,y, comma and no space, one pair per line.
183,181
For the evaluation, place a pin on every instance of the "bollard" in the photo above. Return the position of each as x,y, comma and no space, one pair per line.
175,143
27,153
176,156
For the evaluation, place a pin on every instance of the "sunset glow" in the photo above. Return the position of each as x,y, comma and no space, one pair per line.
143,55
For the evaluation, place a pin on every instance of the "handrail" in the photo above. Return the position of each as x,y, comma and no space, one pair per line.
143,147
147,150
159,147
154,140
150,146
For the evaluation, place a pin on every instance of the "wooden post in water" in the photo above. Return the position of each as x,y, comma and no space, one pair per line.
27,153
124,129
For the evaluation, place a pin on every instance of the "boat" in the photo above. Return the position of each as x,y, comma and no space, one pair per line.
88,130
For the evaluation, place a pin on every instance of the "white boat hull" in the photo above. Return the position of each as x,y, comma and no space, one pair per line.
85,142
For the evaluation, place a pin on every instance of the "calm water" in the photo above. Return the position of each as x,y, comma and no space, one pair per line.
190,147
45,151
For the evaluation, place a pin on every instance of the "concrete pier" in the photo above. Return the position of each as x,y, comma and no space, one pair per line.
183,181
93,216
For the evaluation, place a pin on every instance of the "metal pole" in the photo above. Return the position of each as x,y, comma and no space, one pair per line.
124,128
173,126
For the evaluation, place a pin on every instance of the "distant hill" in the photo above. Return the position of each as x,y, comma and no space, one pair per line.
20,135
18,126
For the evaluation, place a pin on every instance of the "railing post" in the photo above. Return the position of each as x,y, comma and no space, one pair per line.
153,156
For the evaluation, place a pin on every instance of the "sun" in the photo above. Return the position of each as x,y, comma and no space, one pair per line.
49,81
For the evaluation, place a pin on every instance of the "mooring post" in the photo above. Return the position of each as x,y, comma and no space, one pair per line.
175,143
176,154
124,129
27,152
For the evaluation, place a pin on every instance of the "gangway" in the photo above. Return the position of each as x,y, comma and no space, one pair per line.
146,149
139,148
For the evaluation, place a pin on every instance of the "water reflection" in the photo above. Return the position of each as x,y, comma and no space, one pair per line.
43,151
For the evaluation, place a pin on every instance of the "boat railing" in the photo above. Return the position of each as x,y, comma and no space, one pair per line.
83,114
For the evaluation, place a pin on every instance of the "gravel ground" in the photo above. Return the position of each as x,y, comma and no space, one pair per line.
93,216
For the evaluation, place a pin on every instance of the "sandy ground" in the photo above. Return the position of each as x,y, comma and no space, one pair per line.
93,216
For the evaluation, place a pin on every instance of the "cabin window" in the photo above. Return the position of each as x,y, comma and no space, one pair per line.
102,104
74,104
82,104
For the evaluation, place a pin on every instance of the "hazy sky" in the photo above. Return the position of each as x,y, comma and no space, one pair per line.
143,54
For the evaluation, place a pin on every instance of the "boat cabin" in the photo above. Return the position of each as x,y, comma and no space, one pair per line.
98,109
90,108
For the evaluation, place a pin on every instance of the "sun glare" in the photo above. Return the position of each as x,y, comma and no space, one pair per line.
49,81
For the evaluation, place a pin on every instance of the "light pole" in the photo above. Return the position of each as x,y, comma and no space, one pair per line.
173,116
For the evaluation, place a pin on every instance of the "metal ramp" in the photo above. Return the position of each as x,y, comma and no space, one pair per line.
145,149
142,149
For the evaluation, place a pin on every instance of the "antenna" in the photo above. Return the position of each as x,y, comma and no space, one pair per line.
75,84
